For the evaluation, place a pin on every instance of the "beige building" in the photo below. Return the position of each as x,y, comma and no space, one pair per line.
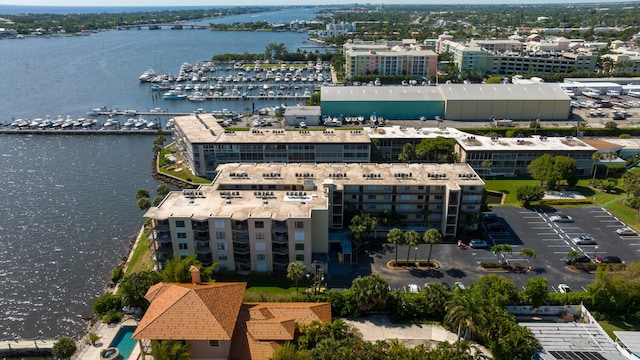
206,144
260,217
389,58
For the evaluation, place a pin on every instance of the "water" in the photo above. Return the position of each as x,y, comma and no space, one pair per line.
68,213
124,342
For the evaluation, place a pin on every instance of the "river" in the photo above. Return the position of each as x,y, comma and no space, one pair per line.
68,202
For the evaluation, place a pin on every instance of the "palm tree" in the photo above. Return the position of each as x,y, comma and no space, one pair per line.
486,165
528,253
369,291
395,237
295,271
501,249
412,239
465,312
596,156
609,156
435,299
431,236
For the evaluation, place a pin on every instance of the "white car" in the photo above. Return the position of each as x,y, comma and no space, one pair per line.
626,231
561,218
584,240
413,288
564,288
459,285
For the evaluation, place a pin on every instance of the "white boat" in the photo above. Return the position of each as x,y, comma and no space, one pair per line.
140,123
196,96
129,123
174,95
151,125
569,92
147,76
634,93
613,93
591,93
333,122
44,124
170,124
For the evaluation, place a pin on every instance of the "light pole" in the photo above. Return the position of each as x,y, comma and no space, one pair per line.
595,250
416,260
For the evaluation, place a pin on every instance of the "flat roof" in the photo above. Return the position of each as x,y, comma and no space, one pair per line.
538,91
629,339
204,129
533,143
404,132
380,93
220,199
573,341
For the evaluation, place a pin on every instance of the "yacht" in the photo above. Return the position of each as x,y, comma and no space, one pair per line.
174,95
591,93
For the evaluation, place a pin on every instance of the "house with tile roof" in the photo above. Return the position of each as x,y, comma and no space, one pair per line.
213,321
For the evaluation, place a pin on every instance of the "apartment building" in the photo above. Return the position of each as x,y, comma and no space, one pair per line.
206,144
389,58
260,217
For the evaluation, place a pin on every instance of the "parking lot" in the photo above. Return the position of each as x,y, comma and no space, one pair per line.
530,228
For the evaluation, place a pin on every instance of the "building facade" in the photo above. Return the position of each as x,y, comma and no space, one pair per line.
261,217
388,58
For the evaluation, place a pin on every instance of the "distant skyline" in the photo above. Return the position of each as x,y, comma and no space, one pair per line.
211,3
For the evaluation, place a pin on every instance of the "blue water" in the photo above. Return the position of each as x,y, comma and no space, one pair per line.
68,202
124,342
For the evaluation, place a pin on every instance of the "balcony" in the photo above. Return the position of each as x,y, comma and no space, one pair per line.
199,226
201,236
242,259
280,250
205,259
203,248
279,239
279,226
240,226
242,250
240,237
161,225
280,260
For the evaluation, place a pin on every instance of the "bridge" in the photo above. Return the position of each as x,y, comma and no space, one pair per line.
172,26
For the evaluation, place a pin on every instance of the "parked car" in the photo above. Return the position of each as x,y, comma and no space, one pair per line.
564,288
459,285
626,231
584,240
561,218
302,125
478,244
572,260
489,217
413,288
495,228
608,260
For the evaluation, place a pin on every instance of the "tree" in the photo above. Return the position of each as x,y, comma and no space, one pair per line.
564,166
408,153
529,193
177,269
169,350
596,156
360,226
396,238
501,249
64,348
144,204
369,291
541,168
609,156
536,291
411,238
142,193
431,237
631,183
436,296
105,303
295,271
134,287
163,190
486,165
496,289
466,313
527,253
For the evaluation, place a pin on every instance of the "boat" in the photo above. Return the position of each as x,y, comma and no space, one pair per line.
44,124
140,123
591,93
152,125
196,96
174,95
634,93
129,123
147,76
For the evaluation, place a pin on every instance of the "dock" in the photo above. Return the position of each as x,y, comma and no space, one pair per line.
83,132
26,348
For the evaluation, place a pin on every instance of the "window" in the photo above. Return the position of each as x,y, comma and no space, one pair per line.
371,197
183,246
222,256
299,257
261,257
221,235
261,246
420,197
179,223
299,247
223,267
387,196
259,236
438,197
259,224
298,236
214,343
219,223
182,235
221,246
299,224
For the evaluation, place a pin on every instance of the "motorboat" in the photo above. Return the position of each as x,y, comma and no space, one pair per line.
129,123
140,123
174,95
591,93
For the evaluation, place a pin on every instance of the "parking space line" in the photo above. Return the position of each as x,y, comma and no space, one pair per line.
597,216
540,227
605,221
563,245
615,226
560,252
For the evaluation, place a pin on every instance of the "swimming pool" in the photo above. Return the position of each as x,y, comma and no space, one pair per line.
124,342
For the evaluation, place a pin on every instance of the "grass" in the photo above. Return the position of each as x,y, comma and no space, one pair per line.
618,325
509,187
141,258
263,284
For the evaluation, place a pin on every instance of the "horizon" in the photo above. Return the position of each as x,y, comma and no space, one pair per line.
218,3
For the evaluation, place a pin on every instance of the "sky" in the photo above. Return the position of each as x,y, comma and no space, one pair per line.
209,3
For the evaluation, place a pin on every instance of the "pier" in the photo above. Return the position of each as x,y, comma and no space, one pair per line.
8,130
26,348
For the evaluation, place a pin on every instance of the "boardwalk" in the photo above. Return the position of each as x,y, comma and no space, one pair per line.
36,347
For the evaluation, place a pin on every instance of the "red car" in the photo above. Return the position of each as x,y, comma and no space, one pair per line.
608,260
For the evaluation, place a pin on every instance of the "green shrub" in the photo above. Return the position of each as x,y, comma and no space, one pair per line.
106,303
112,316
625,136
116,274
64,348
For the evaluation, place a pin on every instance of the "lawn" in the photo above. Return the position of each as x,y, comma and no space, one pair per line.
141,258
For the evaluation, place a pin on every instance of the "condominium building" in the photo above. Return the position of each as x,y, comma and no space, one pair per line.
389,58
206,144
260,217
